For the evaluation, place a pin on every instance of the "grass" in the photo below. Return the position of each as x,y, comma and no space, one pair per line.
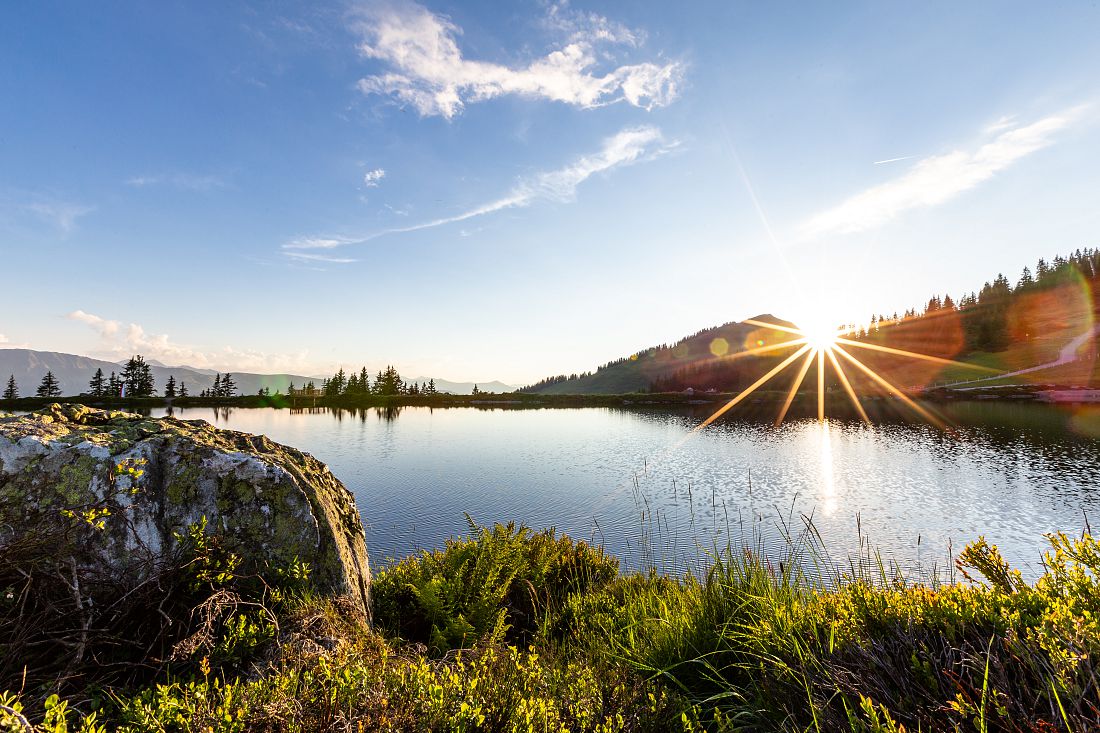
518,630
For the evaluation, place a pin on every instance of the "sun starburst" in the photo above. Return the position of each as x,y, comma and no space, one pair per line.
823,344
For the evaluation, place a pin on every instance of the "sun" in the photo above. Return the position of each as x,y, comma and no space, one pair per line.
816,341
820,336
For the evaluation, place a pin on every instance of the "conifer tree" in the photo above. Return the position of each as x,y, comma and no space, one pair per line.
114,386
216,389
98,385
183,389
11,392
229,387
170,387
49,386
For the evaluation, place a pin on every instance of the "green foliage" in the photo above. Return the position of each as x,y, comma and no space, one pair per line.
505,581
513,630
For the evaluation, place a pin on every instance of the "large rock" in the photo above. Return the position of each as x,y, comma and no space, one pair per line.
267,502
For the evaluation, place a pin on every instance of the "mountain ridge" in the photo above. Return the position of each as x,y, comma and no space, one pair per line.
74,371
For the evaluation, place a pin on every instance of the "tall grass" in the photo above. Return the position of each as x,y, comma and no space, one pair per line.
511,629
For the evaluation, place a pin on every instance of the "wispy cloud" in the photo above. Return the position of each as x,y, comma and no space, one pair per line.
118,340
186,181
371,178
314,257
430,73
627,147
939,178
62,215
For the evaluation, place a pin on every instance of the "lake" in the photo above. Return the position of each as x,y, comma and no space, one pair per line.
655,494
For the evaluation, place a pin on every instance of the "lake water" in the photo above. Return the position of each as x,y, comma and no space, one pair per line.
655,494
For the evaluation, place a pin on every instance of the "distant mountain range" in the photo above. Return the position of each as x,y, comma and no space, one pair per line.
638,372
74,372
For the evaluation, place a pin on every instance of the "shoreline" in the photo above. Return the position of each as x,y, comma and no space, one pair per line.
1045,394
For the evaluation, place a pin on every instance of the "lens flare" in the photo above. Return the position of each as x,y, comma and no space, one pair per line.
823,343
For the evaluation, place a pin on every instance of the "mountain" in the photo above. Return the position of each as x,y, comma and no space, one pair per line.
444,385
701,361
74,373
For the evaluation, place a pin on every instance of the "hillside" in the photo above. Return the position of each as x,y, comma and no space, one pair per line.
1045,329
712,348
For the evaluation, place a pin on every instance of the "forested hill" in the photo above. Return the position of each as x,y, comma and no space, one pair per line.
1004,326
638,372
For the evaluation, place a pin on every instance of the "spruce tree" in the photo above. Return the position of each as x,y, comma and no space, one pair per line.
98,385
216,389
114,386
49,386
170,387
183,389
229,387
11,392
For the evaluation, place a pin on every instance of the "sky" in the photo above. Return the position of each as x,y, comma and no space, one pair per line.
479,190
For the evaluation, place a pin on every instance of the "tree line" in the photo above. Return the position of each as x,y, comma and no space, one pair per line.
387,382
134,380
989,319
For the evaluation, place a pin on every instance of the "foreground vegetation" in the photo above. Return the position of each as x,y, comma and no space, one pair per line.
516,630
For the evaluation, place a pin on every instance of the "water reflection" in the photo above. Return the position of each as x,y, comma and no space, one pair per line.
625,477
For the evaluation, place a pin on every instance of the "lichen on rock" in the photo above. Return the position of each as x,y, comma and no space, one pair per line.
268,503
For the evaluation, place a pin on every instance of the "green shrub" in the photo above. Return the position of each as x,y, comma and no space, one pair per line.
507,582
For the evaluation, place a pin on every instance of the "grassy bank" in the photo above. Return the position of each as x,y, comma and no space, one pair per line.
516,630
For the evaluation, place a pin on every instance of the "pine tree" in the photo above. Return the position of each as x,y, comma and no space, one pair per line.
114,386
216,389
290,389
183,389
170,387
431,386
476,391
11,392
137,377
49,386
229,387
98,386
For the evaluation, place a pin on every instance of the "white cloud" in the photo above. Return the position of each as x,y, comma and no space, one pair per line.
185,181
371,178
429,71
106,328
61,214
627,147
939,178
119,342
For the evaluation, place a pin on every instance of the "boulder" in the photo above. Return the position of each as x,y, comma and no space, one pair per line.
268,503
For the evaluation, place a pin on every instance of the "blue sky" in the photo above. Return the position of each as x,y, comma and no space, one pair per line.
473,192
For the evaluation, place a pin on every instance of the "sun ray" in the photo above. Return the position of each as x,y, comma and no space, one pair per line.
892,389
820,385
848,386
794,388
914,355
764,349
753,387
822,343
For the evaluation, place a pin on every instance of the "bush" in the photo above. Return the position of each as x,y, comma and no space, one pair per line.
507,582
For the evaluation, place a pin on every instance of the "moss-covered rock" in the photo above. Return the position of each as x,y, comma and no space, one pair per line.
141,482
